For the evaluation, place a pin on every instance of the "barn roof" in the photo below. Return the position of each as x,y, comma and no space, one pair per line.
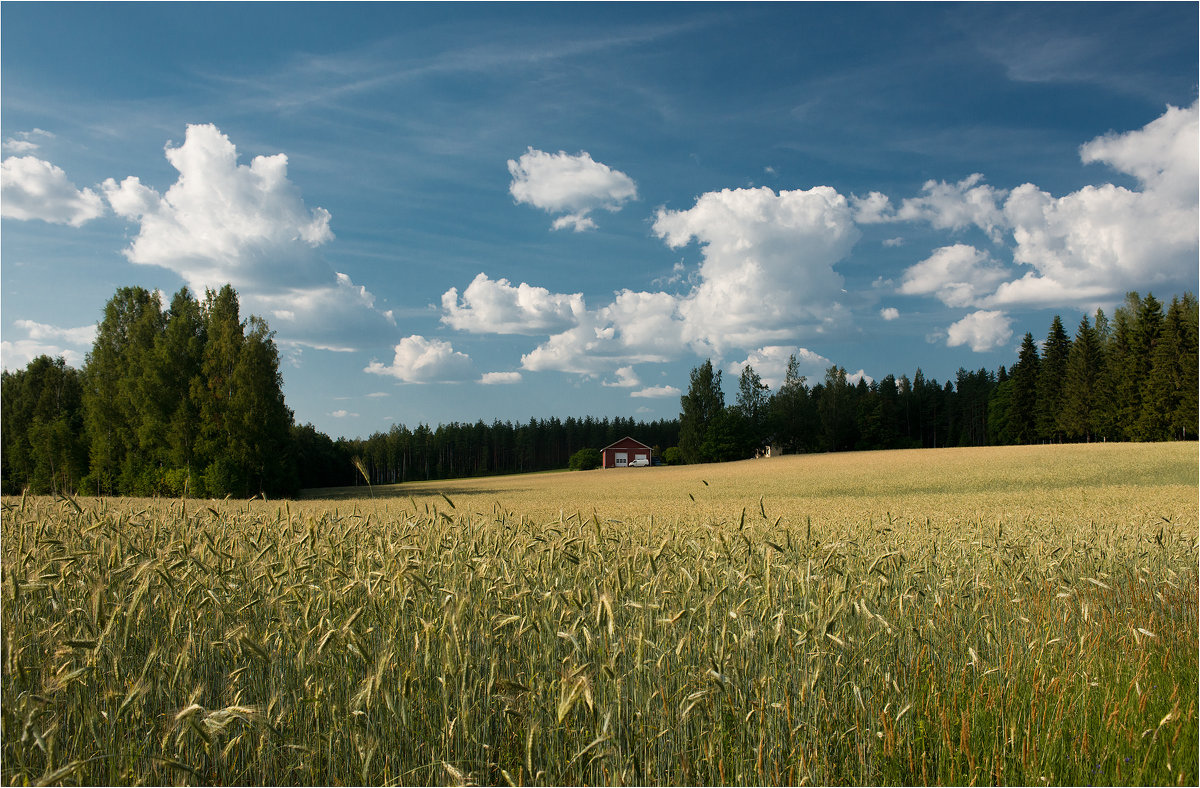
626,443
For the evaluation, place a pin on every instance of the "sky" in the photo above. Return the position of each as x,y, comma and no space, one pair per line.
454,212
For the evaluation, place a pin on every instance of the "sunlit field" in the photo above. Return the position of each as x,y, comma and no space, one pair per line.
1022,615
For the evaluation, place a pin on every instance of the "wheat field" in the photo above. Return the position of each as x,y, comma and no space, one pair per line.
1021,615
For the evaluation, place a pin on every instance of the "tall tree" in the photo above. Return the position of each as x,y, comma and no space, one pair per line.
42,435
1184,420
1082,392
178,375
1051,374
751,404
218,445
792,416
114,399
261,422
1022,409
701,406
836,406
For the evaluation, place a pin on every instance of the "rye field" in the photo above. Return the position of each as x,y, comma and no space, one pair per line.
1022,616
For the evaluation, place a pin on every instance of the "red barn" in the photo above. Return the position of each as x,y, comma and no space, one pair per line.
625,453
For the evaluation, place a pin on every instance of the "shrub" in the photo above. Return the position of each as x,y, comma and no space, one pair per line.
584,460
672,456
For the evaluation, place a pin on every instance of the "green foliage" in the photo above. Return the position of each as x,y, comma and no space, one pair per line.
752,406
43,447
585,460
1022,409
188,401
672,456
703,404
1082,389
1051,374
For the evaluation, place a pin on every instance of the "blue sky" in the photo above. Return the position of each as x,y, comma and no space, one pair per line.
460,212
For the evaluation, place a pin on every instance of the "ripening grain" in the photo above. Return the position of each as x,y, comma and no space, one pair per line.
1017,616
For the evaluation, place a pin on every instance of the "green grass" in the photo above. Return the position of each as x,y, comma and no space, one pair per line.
1014,633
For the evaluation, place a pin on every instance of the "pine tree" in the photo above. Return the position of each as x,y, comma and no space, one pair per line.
1022,410
1123,395
1051,374
837,411
792,415
1079,413
1142,421
1184,419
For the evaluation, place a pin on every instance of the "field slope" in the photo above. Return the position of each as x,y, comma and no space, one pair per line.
1020,615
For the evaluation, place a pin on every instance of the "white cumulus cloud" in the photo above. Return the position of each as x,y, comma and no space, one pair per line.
247,225
496,307
626,378
981,331
34,189
571,185
1100,241
421,360
959,275
956,206
889,313
767,272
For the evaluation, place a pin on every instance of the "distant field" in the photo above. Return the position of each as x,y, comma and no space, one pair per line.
1021,615
967,483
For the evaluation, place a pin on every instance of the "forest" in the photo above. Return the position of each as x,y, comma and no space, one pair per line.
187,401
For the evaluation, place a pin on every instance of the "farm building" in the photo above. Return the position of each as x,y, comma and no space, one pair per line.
625,453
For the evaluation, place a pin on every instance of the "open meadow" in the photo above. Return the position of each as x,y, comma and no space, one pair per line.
1022,615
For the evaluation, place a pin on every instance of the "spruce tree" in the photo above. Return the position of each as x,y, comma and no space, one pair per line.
1162,388
1051,374
1121,387
1022,409
1142,421
1078,416
1184,419
261,420
792,417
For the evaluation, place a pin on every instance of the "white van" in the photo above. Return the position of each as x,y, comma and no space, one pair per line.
640,462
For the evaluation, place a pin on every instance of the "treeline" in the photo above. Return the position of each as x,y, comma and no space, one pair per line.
188,401
1133,377
183,401
459,450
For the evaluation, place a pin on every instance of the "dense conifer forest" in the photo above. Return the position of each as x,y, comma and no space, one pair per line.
188,400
